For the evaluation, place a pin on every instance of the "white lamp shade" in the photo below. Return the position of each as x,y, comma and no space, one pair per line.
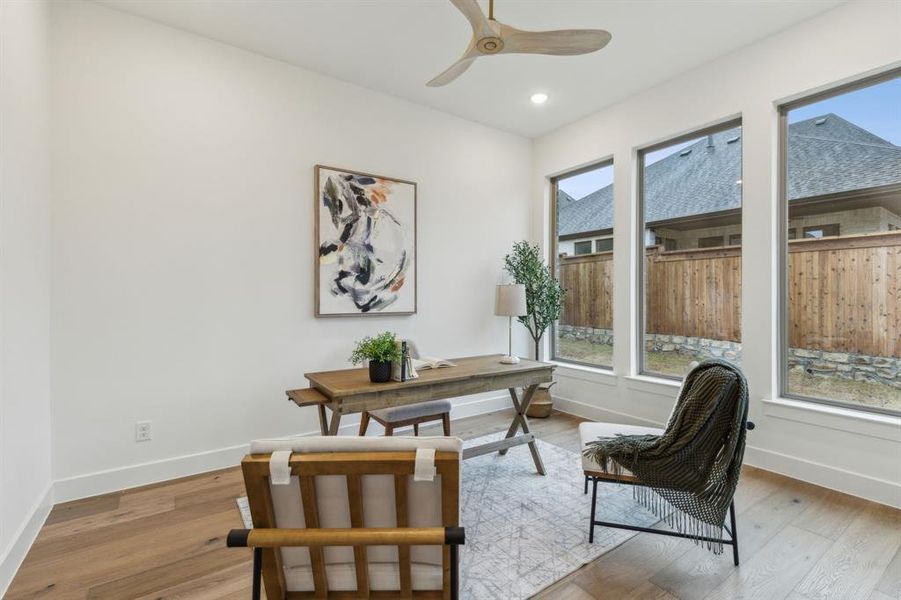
510,300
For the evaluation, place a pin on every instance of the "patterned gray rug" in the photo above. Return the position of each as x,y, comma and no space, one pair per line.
525,531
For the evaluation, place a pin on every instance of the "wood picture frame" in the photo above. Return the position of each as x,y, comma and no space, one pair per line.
365,244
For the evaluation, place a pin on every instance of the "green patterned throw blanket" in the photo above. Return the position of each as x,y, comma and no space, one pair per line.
688,473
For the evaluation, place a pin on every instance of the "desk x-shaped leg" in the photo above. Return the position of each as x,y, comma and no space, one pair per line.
511,439
521,420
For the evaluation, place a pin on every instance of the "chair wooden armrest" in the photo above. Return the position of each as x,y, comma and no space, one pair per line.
260,538
401,536
622,478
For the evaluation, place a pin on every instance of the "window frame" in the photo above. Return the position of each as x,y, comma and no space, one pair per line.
597,244
721,239
782,379
576,247
641,304
553,258
822,228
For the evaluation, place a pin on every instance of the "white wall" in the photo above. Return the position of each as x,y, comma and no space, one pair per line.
857,454
183,251
25,471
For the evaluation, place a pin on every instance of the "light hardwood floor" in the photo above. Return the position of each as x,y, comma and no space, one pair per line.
797,541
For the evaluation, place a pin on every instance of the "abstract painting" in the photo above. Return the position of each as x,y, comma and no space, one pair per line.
365,244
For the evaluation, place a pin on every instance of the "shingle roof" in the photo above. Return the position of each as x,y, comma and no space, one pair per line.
827,154
594,211
563,198
838,156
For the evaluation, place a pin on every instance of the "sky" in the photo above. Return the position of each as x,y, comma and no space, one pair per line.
653,157
876,108
579,186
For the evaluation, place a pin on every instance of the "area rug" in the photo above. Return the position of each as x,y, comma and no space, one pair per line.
525,531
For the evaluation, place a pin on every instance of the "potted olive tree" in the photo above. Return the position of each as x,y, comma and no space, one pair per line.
544,301
380,351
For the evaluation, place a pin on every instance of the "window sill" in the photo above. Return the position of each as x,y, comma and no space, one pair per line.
600,375
660,386
886,427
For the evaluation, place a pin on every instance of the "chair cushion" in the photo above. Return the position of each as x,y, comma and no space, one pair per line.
589,432
341,443
412,411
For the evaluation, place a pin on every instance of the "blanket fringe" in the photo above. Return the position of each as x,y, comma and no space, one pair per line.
678,520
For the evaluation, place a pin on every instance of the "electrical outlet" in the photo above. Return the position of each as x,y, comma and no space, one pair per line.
142,431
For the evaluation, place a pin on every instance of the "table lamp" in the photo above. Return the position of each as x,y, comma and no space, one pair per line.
510,301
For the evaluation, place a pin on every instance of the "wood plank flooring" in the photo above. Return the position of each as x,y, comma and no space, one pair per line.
167,541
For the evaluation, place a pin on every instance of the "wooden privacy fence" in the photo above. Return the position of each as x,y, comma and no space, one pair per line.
844,293
588,280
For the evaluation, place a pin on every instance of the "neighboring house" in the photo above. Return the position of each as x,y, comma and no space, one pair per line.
842,180
563,198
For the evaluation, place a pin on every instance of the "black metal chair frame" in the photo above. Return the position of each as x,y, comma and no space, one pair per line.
732,531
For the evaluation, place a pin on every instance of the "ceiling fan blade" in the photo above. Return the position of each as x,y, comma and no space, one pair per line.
563,42
473,13
454,71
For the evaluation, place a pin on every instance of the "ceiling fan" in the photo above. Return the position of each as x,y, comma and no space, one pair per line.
493,37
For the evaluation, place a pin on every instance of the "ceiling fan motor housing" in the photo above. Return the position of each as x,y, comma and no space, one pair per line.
490,45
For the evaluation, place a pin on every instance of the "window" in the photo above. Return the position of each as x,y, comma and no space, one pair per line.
710,242
582,248
667,244
735,239
690,302
583,208
821,231
841,189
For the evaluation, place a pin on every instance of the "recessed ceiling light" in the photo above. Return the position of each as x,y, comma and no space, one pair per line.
539,98
738,182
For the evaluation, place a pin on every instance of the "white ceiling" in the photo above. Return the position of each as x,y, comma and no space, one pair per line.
395,46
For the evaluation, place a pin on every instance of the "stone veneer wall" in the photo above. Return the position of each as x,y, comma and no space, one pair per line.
700,348
857,367
585,334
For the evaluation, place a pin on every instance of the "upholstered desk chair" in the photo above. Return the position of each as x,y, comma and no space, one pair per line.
409,414
351,517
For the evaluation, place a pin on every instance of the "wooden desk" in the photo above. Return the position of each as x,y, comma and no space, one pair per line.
350,391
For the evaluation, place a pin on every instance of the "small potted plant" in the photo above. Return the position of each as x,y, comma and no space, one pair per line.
380,351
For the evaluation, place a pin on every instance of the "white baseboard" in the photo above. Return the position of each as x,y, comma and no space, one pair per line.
480,406
596,413
14,554
123,478
848,482
114,480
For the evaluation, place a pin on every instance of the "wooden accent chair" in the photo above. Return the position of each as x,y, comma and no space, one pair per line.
409,414
351,517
